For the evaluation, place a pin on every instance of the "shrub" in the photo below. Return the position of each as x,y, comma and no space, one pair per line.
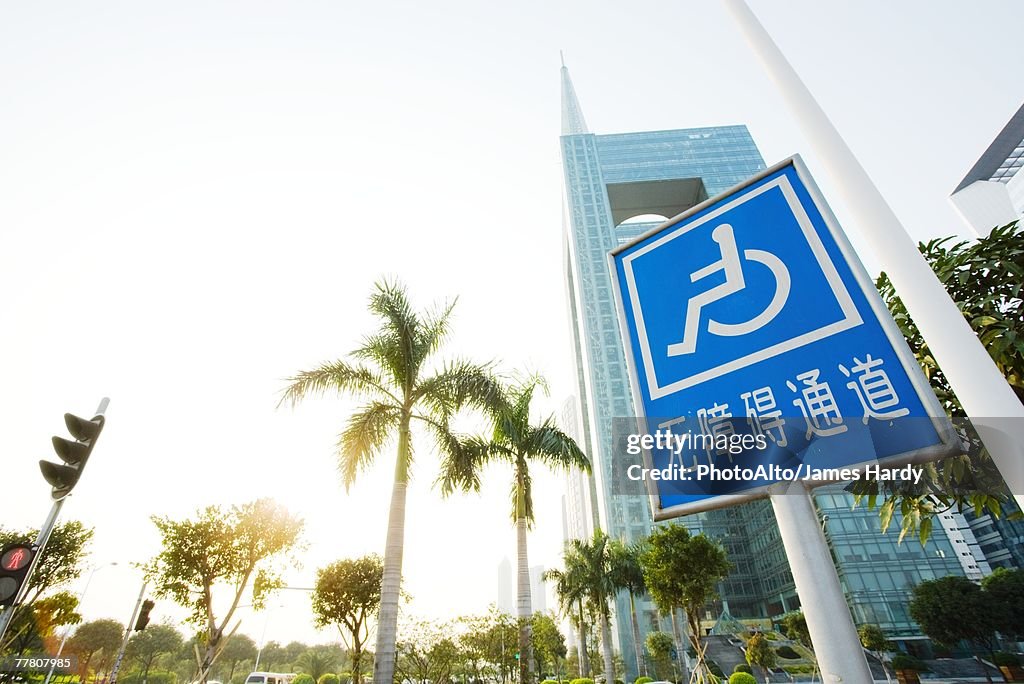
799,669
1004,659
742,678
771,636
643,680
152,678
345,677
742,667
787,652
582,680
303,679
902,661
549,681
329,678
619,681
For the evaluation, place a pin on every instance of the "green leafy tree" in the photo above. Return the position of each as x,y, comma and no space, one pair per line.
146,646
984,278
682,571
953,609
241,547
392,371
794,625
760,653
659,646
347,595
60,564
873,639
548,644
516,440
487,643
97,637
628,575
428,653
1005,588
237,649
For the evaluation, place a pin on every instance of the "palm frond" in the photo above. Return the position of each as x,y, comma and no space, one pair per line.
459,384
557,449
366,432
390,302
461,459
434,331
338,376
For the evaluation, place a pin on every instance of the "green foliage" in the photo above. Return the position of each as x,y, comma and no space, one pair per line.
550,681
345,677
582,680
100,638
146,646
148,678
682,571
985,279
347,595
1004,659
238,547
742,678
303,679
319,660
950,609
771,636
904,661
787,653
61,562
1006,589
743,667
794,626
760,652
642,680
873,638
799,669
547,641
329,678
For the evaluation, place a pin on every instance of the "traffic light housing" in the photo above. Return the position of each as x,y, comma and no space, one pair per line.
143,619
15,560
63,478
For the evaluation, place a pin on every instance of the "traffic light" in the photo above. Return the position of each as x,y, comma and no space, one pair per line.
63,478
15,560
143,620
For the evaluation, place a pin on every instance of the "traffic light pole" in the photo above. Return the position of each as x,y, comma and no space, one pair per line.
127,635
40,545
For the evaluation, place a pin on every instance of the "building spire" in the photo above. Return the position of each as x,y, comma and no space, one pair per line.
572,115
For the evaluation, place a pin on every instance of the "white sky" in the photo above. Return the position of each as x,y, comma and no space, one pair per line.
196,197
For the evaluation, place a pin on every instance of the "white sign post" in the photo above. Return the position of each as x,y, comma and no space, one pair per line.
987,398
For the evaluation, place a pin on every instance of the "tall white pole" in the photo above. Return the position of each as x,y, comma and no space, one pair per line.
836,644
127,635
986,396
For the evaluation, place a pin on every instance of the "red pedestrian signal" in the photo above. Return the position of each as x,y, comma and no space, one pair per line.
15,560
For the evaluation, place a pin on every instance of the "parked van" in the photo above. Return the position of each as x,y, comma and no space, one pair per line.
269,678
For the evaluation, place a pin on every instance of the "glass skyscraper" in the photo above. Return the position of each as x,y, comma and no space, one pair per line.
612,183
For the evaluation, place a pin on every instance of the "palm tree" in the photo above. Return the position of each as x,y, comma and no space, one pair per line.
588,566
391,371
514,439
572,595
628,575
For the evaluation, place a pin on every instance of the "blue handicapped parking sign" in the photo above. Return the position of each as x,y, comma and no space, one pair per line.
751,312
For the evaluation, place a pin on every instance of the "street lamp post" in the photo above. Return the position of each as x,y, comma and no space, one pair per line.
67,631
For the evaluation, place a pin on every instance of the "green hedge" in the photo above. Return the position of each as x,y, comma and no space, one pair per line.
643,680
582,680
329,678
1004,659
303,679
787,653
742,678
151,678
743,667
902,661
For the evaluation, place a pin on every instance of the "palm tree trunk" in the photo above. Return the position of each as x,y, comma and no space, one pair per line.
584,655
387,624
641,664
524,609
606,648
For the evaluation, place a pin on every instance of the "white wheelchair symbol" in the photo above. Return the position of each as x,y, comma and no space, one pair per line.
734,282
